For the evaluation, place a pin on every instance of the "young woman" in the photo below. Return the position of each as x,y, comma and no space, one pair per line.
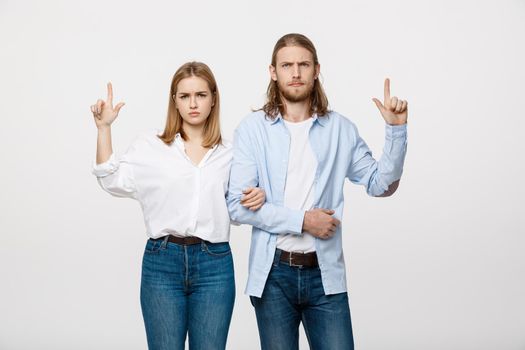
180,179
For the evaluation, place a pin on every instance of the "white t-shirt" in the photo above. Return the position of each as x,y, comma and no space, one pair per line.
177,197
299,188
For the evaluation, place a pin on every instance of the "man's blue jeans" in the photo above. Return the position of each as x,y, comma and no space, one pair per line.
293,295
187,289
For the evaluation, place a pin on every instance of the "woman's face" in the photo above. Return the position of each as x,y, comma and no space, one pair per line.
194,100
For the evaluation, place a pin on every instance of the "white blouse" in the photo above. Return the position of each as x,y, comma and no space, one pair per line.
177,197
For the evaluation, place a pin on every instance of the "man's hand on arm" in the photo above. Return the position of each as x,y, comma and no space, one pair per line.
320,223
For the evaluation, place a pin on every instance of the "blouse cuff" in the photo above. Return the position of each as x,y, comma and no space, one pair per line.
106,168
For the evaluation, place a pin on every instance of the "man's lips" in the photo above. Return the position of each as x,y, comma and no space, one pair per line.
295,84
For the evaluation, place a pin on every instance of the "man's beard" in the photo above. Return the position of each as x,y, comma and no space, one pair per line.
295,97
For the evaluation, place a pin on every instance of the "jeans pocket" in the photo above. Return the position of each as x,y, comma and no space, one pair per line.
216,249
153,247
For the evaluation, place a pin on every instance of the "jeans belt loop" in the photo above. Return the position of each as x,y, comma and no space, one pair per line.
164,242
277,257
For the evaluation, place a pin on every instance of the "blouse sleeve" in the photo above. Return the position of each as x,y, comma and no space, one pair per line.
116,177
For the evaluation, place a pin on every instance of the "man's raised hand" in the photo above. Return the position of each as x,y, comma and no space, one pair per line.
393,110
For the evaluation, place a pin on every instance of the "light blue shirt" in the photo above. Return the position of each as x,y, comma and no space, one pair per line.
260,158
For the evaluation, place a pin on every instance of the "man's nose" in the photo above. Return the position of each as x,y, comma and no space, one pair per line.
296,71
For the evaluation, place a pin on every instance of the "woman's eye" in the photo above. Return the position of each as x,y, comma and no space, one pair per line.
182,97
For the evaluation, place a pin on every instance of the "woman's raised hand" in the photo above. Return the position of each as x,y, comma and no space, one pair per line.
104,112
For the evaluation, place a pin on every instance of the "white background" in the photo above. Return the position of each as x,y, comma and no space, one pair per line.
440,265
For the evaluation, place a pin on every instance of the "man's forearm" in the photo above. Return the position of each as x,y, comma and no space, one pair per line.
391,189
270,217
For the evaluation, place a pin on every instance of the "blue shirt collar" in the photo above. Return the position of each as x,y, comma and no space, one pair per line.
321,120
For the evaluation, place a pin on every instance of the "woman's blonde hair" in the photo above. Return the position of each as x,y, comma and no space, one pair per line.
212,130
318,100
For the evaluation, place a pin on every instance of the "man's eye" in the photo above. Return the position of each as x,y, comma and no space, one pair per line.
286,65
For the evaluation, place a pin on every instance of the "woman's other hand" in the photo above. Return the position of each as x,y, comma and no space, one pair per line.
254,198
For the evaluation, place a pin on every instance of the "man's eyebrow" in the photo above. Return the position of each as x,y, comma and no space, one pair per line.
300,62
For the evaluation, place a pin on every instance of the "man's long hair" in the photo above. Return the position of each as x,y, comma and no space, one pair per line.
318,100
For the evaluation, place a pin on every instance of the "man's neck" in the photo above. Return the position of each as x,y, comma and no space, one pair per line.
296,111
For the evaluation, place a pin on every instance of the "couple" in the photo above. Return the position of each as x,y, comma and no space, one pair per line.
284,175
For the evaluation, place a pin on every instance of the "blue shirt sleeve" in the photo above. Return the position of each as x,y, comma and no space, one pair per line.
377,176
244,173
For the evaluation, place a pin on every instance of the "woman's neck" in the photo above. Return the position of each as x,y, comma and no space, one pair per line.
194,133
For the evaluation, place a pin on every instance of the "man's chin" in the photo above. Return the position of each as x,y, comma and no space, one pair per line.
296,98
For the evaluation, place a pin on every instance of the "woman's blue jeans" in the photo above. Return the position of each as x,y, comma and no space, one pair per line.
187,289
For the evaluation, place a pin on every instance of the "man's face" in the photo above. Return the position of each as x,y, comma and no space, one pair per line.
295,73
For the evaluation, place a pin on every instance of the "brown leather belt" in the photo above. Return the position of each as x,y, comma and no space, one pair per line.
181,240
299,259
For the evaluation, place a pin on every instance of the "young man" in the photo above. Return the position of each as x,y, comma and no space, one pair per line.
301,153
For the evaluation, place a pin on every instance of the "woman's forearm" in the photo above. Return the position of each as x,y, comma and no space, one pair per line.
104,147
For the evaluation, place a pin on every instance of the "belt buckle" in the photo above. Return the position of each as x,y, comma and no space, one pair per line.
290,263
